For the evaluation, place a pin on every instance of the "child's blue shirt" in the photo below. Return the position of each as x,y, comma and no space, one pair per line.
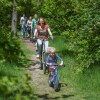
53,60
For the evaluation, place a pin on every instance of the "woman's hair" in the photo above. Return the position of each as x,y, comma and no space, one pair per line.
43,21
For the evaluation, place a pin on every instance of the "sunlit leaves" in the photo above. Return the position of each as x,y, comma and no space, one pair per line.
86,28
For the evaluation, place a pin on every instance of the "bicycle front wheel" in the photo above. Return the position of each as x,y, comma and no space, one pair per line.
56,84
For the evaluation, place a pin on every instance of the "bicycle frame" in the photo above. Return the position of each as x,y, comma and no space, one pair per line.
54,77
53,72
42,51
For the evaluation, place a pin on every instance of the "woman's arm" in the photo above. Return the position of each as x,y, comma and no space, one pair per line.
49,31
21,21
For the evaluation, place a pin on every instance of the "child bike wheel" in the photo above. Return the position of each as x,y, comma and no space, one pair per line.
56,84
41,60
50,83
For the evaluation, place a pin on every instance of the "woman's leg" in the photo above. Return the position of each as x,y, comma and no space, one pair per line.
22,30
46,49
46,46
39,44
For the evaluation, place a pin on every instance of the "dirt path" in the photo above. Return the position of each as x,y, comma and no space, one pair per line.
39,80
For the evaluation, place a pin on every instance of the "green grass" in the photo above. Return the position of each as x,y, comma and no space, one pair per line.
14,78
15,69
84,86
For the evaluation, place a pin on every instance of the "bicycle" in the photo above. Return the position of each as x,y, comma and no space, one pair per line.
54,77
43,57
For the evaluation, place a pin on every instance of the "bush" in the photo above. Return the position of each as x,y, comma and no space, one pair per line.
83,35
9,46
79,22
12,87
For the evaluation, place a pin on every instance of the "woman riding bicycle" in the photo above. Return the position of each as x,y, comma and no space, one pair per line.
43,32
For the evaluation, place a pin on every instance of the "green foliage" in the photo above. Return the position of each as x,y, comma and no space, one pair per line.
57,13
5,13
83,85
9,47
25,6
15,80
16,87
79,22
83,36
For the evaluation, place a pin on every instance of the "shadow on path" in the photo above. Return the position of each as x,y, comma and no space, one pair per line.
47,97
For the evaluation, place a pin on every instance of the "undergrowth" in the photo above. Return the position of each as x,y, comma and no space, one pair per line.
15,79
83,85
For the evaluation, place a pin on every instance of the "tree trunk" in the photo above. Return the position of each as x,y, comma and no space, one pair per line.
14,18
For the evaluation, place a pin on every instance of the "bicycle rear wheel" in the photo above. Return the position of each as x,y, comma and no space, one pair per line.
41,59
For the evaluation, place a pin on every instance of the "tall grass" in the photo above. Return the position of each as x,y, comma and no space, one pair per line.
86,86
15,69
14,79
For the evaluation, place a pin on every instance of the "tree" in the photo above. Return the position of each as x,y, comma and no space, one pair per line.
14,18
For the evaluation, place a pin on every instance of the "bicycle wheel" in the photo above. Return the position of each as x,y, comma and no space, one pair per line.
41,67
56,84
49,82
43,60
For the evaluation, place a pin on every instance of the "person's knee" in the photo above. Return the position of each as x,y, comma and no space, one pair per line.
46,50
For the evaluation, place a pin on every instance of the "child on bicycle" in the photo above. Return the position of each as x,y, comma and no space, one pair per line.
53,58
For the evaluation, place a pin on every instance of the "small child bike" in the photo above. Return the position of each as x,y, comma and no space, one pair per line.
54,77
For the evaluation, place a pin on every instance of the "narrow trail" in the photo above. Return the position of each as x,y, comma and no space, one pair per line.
40,81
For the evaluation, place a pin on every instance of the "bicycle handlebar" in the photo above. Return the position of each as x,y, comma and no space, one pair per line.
43,39
56,65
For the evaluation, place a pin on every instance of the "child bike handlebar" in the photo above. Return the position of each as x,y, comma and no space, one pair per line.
56,65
